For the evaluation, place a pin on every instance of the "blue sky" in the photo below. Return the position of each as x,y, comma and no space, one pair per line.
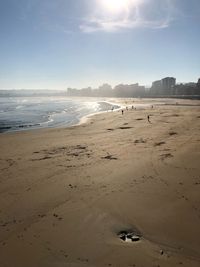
57,44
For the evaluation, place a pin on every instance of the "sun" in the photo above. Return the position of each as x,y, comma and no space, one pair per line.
115,6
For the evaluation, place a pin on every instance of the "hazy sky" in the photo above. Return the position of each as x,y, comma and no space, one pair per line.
77,43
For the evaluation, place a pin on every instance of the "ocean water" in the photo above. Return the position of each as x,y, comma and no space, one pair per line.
25,113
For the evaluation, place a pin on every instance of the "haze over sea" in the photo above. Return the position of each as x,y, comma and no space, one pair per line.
22,113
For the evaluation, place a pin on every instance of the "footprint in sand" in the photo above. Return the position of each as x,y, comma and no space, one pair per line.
165,156
124,127
140,141
159,143
129,236
172,133
111,157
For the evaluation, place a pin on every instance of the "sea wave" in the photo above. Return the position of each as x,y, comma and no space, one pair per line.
30,113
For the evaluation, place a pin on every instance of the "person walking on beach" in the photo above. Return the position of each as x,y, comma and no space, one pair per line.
122,111
148,118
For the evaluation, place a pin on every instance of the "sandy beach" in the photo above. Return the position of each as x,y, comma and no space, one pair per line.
67,195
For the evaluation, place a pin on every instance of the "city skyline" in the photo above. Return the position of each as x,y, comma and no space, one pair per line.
60,44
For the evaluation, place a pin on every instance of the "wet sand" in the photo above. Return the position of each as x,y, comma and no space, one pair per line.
66,195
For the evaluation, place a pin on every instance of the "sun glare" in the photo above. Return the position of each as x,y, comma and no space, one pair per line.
116,6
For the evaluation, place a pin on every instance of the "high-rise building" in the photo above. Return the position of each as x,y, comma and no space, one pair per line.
198,83
168,84
163,87
156,87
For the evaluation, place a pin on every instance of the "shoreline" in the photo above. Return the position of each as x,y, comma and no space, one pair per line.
122,103
40,125
67,193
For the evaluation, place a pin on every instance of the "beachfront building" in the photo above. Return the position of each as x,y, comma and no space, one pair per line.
168,84
198,85
156,87
164,87
129,90
104,90
190,88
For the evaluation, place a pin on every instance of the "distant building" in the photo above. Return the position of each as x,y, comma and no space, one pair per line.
129,90
198,84
156,87
157,84
163,87
168,84
105,90
190,88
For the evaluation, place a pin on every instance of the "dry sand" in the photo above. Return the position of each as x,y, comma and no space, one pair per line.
65,194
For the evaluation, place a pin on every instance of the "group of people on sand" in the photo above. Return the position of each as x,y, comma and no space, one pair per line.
127,109
148,116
